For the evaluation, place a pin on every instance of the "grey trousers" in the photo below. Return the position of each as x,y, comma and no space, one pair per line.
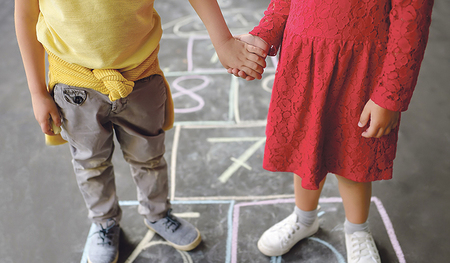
90,120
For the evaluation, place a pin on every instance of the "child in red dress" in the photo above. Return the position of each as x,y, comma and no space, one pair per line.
347,69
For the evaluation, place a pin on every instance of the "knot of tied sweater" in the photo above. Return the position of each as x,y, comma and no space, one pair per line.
115,83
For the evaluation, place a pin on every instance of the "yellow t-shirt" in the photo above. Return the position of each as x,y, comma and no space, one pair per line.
99,34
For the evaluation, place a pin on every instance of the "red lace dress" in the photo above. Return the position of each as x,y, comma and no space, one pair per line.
335,56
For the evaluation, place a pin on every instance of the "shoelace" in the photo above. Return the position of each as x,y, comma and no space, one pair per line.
171,222
362,247
104,233
287,229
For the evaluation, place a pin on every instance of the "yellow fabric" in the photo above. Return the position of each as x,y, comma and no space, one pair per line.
99,34
109,44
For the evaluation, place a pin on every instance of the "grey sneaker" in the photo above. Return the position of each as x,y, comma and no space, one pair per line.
104,246
181,234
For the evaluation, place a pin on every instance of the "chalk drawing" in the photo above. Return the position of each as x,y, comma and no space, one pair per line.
338,255
140,246
190,92
233,224
179,26
275,259
240,161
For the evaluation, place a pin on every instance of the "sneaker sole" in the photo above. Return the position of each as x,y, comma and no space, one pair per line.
115,260
270,253
187,247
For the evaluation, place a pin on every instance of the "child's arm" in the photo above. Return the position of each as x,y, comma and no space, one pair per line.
232,53
26,14
408,34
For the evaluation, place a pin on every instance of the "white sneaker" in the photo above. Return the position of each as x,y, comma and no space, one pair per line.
281,237
361,248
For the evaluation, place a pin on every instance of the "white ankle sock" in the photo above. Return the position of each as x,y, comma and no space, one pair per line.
351,228
306,217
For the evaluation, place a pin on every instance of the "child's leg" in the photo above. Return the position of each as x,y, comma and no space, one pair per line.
139,131
358,239
138,127
90,136
356,199
306,200
303,222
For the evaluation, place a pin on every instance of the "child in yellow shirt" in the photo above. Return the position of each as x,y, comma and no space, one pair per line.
104,78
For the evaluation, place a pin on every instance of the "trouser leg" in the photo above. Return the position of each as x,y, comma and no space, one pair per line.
90,135
139,131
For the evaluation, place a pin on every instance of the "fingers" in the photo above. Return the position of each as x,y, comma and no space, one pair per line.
365,117
240,74
373,132
258,60
51,125
254,41
46,127
377,130
250,72
257,51
381,121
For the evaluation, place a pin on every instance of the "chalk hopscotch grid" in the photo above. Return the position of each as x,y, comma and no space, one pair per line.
233,225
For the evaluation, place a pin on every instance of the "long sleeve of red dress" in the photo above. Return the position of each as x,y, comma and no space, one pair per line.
271,27
408,34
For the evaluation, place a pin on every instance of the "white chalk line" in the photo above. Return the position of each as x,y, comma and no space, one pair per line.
234,139
203,71
241,159
235,198
243,164
177,24
148,236
221,124
231,110
235,88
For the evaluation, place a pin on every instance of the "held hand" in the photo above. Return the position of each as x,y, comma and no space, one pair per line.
255,45
382,121
234,54
46,111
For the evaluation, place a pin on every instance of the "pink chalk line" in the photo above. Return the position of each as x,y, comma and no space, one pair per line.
384,216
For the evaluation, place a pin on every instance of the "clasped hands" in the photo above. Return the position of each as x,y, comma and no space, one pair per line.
375,121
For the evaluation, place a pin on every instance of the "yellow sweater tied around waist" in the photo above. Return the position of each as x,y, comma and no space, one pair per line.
110,82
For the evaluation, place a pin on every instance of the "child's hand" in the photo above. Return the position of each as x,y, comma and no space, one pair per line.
45,111
255,45
382,121
239,55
